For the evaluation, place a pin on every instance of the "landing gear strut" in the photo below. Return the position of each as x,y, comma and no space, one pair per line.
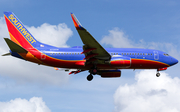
92,72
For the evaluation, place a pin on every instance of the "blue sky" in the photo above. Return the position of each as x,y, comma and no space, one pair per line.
126,23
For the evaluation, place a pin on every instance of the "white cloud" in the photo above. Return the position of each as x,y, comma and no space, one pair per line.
118,39
149,94
35,104
56,35
26,72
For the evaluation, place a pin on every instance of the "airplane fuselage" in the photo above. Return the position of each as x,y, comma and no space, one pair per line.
72,58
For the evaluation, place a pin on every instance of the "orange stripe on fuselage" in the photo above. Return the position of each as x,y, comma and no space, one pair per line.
61,63
28,56
147,64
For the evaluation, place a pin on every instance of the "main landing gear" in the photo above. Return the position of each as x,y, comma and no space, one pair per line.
89,77
92,72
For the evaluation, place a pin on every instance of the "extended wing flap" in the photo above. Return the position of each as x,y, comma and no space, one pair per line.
15,47
90,42
91,47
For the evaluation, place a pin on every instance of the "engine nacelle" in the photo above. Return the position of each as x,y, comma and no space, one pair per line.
109,73
120,61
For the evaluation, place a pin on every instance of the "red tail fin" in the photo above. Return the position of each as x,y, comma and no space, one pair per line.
18,33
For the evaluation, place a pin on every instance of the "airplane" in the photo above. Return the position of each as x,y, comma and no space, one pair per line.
92,57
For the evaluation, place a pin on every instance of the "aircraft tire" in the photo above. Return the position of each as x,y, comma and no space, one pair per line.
158,74
89,77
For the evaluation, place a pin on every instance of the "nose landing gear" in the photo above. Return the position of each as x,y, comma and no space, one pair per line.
158,74
160,69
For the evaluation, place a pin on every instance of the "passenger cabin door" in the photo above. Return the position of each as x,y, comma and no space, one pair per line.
156,55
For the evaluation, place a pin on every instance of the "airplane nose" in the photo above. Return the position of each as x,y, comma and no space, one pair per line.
174,61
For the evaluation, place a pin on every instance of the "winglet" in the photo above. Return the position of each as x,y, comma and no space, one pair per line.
7,54
77,24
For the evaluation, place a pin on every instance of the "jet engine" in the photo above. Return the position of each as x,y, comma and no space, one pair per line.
109,73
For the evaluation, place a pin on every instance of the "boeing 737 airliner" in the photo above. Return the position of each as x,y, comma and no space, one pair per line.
90,57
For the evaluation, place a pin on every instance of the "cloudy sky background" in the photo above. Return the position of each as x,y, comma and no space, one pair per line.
153,24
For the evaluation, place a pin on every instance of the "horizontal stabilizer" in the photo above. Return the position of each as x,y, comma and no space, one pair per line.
15,47
7,54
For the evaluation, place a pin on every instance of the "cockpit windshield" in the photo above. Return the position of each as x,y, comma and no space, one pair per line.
166,54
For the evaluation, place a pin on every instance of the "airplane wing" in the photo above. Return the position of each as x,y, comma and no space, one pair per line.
93,51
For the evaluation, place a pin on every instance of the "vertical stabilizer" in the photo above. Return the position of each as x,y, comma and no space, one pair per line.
18,33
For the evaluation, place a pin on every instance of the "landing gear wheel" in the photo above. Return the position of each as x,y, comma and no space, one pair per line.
89,77
158,74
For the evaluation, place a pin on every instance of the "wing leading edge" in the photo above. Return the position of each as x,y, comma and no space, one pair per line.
93,51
